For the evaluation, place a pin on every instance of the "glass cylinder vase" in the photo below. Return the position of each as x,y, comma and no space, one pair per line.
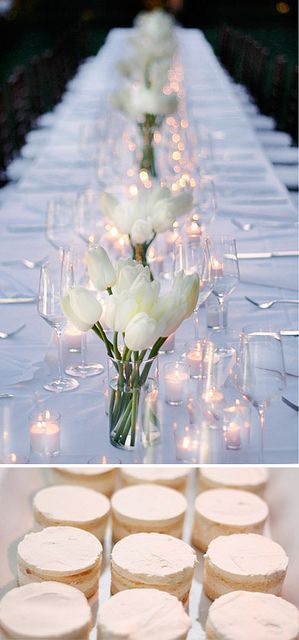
126,379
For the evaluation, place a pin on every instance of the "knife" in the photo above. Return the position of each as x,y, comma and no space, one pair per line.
17,300
289,332
24,228
268,254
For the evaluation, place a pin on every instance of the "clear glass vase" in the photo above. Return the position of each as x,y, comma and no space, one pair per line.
126,380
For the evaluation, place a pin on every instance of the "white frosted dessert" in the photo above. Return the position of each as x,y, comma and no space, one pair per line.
148,508
45,611
167,476
100,478
74,506
153,560
221,512
142,614
244,562
245,478
63,554
242,615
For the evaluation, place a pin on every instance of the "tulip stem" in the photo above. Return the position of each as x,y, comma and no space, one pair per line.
115,346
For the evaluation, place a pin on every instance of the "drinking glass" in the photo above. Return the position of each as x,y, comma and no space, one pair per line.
225,271
74,262
206,207
60,226
261,373
53,284
89,220
193,254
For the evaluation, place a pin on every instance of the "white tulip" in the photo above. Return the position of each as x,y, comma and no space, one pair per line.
145,291
141,332
187,287
162,216
141,231
127,271
100,268
119,310
81,307
169,312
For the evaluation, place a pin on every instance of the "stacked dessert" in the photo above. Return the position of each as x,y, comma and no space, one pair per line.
152,569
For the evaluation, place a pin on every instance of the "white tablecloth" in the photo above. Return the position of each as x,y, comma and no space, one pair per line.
240,163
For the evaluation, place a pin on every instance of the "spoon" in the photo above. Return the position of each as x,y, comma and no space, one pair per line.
4,335
268,305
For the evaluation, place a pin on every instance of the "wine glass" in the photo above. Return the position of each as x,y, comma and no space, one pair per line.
205,201
53,284
89,220
225,270
261,372
193,254
74,262
60,224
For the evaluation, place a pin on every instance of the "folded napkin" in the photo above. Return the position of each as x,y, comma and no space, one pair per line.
11,287
14,369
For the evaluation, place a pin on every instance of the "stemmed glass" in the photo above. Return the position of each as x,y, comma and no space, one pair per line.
205,201
261,373
60,227
89,220
194,256
53,284
225,270
74,262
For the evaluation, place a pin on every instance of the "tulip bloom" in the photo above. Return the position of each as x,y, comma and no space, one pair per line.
81,308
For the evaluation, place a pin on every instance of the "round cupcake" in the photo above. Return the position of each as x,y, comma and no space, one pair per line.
243,615
73,506
244,562
45,611
153,560
62,554
148,508
225,511
141,614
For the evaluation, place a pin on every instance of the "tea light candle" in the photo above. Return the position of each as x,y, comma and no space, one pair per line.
233,436
72,339
45,433
217,268
194,359
193,230
176,377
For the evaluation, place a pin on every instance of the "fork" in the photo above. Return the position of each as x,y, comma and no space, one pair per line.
248,226
268,305
4,335
26,262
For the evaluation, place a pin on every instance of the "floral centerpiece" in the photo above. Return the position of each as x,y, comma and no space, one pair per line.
141,217
139,320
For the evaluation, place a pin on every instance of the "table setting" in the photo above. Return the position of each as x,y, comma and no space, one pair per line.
148,270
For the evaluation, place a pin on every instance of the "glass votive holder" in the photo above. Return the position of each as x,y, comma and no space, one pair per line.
199,356
13,458
44,432
213,314
176,377
236,425
169,345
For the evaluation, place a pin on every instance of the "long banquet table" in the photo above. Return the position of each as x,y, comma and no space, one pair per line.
247,188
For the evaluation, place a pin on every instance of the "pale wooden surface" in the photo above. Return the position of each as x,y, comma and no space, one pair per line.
17,487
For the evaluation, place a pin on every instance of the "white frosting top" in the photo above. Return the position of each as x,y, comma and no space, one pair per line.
44,610
71,504
244,615
247,554
60,550
143,614
149,502
85,470
153,554
236,476
230,506
156,474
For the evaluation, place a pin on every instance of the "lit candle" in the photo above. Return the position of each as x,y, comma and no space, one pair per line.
193,230
233,436
194,359
45,433
217,268
72,339
176,377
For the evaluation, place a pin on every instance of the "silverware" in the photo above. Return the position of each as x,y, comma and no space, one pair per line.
17,300
26,262
25,228
290,403
268,254
6,395
4,335
248,226
289,332
268,305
